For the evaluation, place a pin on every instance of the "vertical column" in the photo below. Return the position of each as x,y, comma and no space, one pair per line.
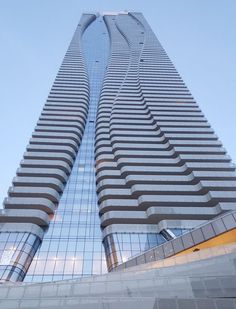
161,170
47,162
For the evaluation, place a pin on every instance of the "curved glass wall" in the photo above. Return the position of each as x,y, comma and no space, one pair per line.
16,253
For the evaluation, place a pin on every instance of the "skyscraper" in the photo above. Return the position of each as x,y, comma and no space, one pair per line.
122,160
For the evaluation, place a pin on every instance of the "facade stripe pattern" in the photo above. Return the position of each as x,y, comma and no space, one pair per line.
51,152
160,167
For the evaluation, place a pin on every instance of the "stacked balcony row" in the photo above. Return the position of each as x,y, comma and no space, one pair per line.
51,151
159,164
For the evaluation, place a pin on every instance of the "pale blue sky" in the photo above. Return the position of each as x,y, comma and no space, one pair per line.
198,35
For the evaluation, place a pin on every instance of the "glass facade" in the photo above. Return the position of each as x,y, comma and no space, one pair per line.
16,253
72,247
120,247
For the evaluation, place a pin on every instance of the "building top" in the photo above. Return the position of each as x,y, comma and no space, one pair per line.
114,13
